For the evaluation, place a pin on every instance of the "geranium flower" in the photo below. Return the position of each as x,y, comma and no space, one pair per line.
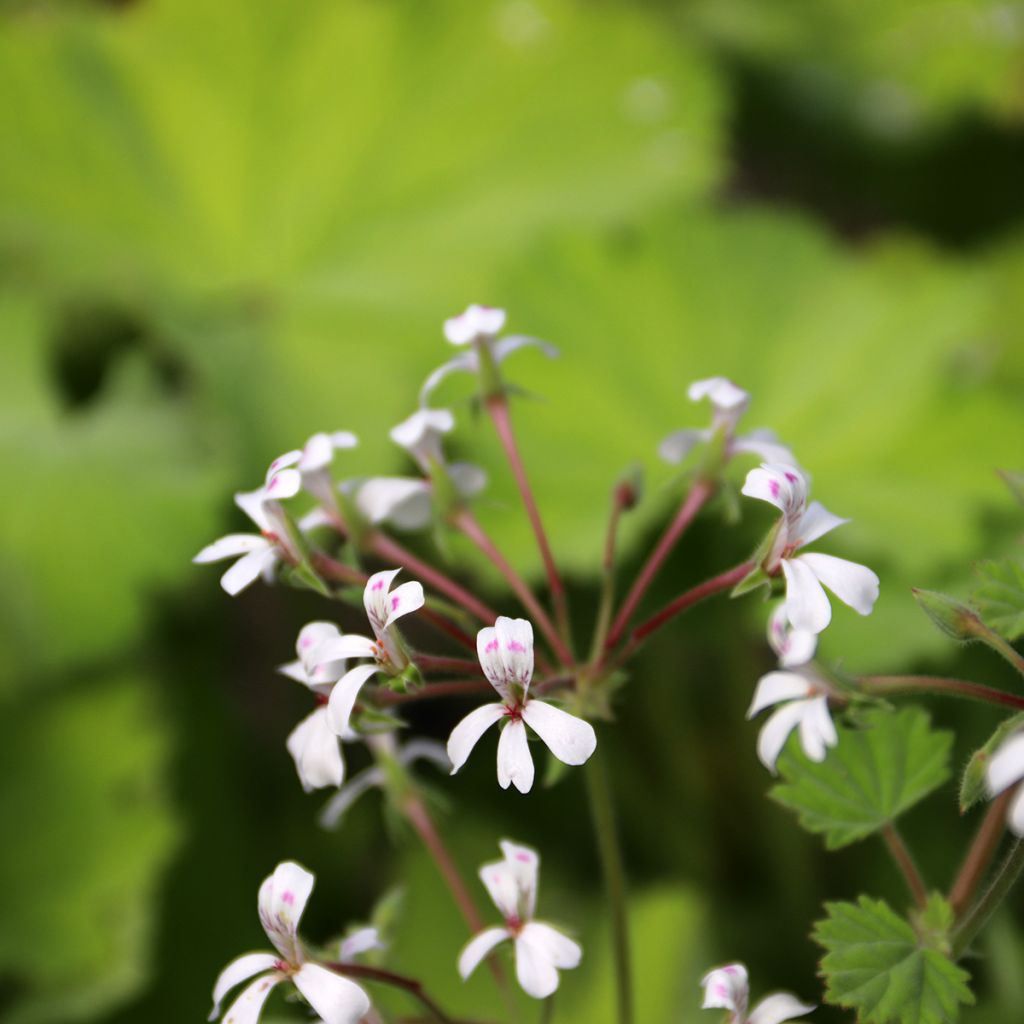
282,900
803,696
1005,769
313,463
807,605
541,951
506,656
728,404
726,988
475,329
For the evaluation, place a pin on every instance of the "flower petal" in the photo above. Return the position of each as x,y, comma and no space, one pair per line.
540,951
855,585
674,448
726,988
375,598
360,783
488,650
239,970
475,322
807,606
515,765
316,751
793,646
282,899
285,483
502,884
817,731
402,501
504,347
721,391
515,644
479,947
251,503
777,1008
1006,766
361,941
570,739
776,687
467,733
816,522
467,479
425,750
338,1000
247,1007
247,569
231,546
1015,813
343,697
464,362
765,444
775,732
524,865
403,600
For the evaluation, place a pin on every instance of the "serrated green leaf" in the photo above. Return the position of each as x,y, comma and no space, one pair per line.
869,779
1000,597
875,963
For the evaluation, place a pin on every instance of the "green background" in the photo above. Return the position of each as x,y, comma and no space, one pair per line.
224,226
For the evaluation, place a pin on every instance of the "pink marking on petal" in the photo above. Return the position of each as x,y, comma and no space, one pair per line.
288,897
516,647
378,585
492,646
791,477
395,602
524,857
773,486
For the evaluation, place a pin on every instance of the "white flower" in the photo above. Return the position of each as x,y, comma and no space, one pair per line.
540,950
802,695
506,656
312,463
407,502
384,608
728,403
807,605
476,329
282,899
360,941
726,988
313,744
1007,769
376,777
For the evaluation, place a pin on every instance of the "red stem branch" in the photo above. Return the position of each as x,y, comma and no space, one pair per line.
942,687
979,854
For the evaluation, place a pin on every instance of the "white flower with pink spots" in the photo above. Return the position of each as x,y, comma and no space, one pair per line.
726,988
282,900
506,656
1006,769
541,951
807,605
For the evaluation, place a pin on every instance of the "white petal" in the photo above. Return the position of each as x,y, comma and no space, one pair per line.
247,569
403,600
475,322
775,732
251,503
283,461
502,884
504,347
479,947
721,391
816,522
239,970
467,479
489,652
539,952
765,444
317,453
777,1008
285,483
343,697
247,1007
311,635
807,606
295,670
342,439
674,448
570,739
1015,813
560,949
523,864
411,432
817,731
515,766
403,501
349,645
465,362
360,783
515,645
316,751
425,750
361,941
338,1000
793,646
781,484
726,988
776,687
465,735
1006,766
763,483
854,585
375,598
282,899
231,546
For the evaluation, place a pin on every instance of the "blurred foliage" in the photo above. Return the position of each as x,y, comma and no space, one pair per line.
225,226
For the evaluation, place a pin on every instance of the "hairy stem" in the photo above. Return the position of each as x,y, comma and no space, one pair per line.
695,499
940,686
467,523
979,854
905,862
497,406
602,813
980,913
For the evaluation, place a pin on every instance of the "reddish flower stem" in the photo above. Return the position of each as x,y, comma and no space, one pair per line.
497,406
338,572
465,521
445,688
940,686
692,504
438,663
442,624
390,550
905,862
411,985
979,854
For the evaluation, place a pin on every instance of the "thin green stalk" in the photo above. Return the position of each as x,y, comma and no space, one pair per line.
547,1010
993,897
602,812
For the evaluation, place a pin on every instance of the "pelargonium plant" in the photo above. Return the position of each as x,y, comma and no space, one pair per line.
826,733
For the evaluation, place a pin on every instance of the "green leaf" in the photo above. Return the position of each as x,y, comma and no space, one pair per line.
869,779
876,964
1000,597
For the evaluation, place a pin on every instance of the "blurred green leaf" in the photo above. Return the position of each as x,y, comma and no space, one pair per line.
873,776
82,783
999,597
876,964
